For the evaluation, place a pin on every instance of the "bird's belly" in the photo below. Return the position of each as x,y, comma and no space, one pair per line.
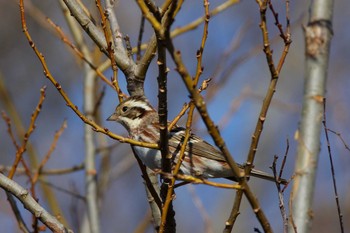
196,166
205,168
150,157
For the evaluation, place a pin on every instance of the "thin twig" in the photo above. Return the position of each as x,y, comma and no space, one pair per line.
266,103
96,35
274,72
69,103
185,107
340,215
99,102
181,30
170,191
20,221
341,138
214,132
149,16
30,130
194,180
80,54
9,129
139,40
280,195
63,190
48,194
48,172
110,45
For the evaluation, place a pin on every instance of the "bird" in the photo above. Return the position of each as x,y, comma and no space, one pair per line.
202,160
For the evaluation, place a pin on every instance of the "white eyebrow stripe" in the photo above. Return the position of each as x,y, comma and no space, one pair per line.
140,104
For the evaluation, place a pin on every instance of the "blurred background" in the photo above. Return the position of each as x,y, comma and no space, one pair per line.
233,55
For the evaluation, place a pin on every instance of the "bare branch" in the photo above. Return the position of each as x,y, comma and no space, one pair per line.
340,215
31,128
30,204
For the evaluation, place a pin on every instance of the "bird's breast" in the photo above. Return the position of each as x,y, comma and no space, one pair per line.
150,157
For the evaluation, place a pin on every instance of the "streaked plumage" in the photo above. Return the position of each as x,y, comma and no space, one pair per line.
201,158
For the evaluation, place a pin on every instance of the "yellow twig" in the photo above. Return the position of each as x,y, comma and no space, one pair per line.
110,50
65,39
31,128
195,180
149,16
69,103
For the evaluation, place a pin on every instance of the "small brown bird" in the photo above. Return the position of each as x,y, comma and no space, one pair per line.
201,160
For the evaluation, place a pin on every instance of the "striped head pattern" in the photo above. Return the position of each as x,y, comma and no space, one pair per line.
136,114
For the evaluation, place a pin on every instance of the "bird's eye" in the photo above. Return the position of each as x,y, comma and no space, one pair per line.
125,108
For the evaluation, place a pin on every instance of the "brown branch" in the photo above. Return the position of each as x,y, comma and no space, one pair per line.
69,103
168,222
266,103
9,129
170,191
143,64
30,130
340,215
62,171
186,106
139,40
65,40
270,92
192,25
280,193
32,154
199,69
63,190
10,198
111,52
190,114
101,95
234,212
149,16
214,132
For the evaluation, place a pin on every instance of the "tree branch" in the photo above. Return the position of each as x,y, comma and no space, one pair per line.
30,204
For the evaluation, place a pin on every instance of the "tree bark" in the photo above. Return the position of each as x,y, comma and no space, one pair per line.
318,34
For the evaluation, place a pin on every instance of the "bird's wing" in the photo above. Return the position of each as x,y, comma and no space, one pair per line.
195,145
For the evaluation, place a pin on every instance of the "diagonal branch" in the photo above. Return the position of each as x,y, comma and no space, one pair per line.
31,128
214,132
30,204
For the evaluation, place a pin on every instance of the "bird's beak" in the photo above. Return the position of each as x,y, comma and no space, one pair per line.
112,117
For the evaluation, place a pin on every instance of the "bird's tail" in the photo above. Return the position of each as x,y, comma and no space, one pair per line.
262,175
266,176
